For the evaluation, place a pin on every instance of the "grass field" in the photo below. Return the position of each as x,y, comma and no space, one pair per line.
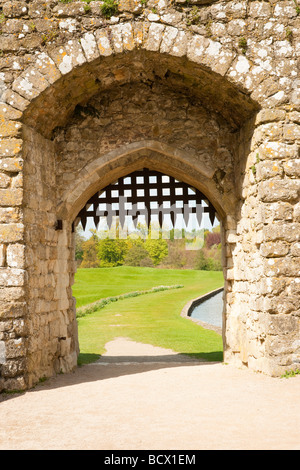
151,318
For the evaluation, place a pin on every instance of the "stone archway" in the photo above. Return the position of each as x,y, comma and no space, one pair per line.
211,120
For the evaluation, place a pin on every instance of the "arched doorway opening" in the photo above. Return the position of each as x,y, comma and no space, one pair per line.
132,112
140,218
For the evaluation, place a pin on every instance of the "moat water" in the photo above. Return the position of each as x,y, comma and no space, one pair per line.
210,311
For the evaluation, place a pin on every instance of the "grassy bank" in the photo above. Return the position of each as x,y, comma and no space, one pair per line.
153,318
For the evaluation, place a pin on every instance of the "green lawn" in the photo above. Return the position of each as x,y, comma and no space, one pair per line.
151,318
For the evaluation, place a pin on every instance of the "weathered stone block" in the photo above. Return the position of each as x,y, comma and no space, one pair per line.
260,10
291,132
12,277
132,6
154,37
13,368
103,42
73,9
277,211
268,169
4,180
10,148
287,232
30,83
16,255
15,100
180,45
128,39
90,47
12,310
275,150
281,324
297,212
46,66
169,37
282,267
15,348
274,249
11,197
14,9
279,190
10,233
7,112
295,249
68,56
292,168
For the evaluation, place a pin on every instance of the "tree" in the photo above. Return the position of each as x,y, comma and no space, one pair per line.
177,255
157,249
89,248
79,240
201,262
212,238
137,254
111,252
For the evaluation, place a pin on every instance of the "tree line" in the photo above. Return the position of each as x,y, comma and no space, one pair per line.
103,250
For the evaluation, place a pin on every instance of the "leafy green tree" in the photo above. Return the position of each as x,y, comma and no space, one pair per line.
89,248
137,254
201,262
177,255
157,249
79,240
111,252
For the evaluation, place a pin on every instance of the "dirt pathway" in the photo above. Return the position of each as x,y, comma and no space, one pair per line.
153,399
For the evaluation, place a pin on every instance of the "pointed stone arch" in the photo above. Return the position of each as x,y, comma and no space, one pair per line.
57,86
121,161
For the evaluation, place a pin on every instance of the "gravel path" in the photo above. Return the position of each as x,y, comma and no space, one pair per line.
151,398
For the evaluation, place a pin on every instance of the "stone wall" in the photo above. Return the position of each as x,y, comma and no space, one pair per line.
206,91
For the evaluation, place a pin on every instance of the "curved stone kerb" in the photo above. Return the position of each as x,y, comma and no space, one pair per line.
57,61
119,162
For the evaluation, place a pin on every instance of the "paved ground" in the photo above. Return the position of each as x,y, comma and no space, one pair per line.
152,399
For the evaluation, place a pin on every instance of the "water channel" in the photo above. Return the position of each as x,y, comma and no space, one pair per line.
210,310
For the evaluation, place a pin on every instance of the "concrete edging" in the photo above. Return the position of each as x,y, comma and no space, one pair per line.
188,308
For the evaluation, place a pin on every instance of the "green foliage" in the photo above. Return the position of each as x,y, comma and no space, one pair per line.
89,249
50,36
109,8
177,255
289,35
157,249
243,44
195,15
79,241
137,255
209,259
43,379
142,250
290,373
253,169
297,7
111,252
